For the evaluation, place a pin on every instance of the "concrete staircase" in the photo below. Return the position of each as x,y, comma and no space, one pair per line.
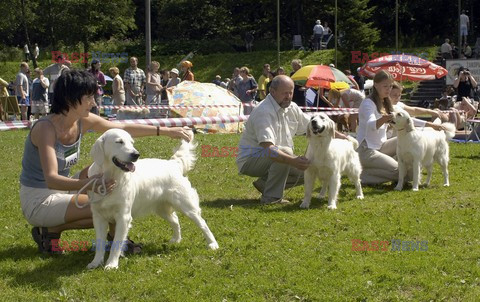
428,91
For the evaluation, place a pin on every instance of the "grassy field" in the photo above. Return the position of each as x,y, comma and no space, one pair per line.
207,66
267,253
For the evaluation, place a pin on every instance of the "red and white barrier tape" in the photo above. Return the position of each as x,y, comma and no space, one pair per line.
178,122
187,121
14,125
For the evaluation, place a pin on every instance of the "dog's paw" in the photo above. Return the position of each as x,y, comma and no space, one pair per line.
398,188
415,189
446,185
175,240
94,264
360,197
111,266
332,207
305,205
213,246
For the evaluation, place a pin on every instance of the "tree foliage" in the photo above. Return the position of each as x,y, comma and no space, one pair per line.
362,24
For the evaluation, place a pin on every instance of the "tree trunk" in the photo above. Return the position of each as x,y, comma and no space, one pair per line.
24,22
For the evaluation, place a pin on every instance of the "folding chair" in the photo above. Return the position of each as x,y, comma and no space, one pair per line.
297,42
10,107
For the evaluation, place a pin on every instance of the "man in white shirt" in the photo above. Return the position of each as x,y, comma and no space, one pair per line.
318,35
26,51
266,146
36,52
22,89
464,25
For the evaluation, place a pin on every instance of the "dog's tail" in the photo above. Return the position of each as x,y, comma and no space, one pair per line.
450,130
185,155
353,141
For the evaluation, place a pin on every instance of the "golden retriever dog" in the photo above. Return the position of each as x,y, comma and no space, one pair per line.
143,187
330,158
417,149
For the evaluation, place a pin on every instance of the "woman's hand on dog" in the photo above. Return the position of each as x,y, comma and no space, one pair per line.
97,186
184,133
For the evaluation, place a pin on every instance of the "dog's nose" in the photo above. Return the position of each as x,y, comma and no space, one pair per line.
135,155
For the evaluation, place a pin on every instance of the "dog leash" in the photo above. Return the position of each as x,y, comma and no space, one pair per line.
102,190
298,178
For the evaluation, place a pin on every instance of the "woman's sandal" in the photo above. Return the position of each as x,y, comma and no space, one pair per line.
44,240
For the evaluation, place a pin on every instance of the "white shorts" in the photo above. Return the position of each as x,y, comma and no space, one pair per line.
44,207
463,31
39,107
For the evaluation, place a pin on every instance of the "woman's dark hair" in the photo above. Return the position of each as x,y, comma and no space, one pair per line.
69,89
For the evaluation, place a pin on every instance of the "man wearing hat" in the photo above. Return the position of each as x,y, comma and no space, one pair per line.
187,73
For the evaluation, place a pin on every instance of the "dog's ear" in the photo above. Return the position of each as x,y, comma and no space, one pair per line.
331,127
409,126
97,152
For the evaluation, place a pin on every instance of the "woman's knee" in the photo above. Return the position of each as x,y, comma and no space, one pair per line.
75,213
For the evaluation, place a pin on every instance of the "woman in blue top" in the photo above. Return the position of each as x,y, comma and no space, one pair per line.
52,147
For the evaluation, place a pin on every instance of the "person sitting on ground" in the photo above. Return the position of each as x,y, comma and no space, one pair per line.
347,98
266,145
465,83
396,94
53,146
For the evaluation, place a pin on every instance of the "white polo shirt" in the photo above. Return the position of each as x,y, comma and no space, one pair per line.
269,122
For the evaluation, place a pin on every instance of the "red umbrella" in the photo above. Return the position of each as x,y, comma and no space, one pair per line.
404,67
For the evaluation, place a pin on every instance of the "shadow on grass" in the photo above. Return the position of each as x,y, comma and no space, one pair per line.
46,271
46,274
343,195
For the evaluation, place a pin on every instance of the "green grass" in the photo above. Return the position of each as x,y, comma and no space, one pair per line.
267,253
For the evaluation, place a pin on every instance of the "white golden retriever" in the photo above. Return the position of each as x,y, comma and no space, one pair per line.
330,158
417,149
142,187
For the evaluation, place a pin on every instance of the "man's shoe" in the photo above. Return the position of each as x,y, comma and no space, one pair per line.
273,200
259,184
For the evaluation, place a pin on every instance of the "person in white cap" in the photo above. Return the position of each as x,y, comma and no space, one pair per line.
174,79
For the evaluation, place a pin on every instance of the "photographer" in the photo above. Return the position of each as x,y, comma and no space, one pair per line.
465,84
